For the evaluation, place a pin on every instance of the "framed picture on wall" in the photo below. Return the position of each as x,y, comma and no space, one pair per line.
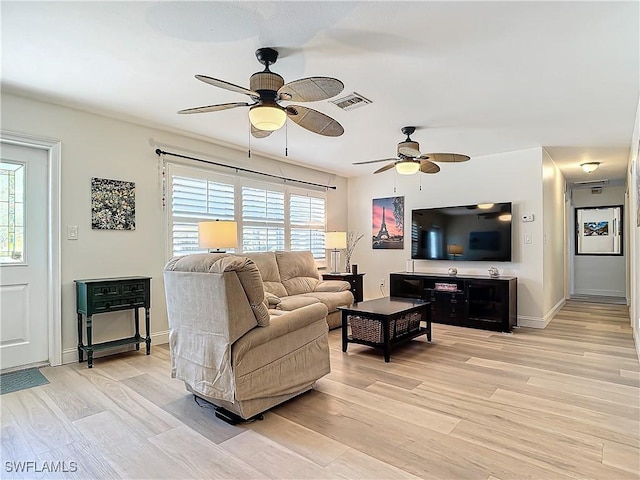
113,204
599,230
388,223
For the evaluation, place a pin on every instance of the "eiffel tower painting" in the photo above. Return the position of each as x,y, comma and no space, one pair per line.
388,223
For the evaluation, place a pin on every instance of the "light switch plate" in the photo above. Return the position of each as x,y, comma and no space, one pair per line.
527,238
528,217
72,232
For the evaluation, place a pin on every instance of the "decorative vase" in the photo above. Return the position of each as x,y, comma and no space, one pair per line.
453,271
493,272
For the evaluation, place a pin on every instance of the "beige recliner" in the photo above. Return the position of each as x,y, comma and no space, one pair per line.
226,345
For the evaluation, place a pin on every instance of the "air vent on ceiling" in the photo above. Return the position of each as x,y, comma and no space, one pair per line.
591,183
596,190
350,102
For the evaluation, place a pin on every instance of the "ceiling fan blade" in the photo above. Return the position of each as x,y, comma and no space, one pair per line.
409,151
260,133
445,157
227,86
215,108
314,121
311,89
376,161
386,167
428,167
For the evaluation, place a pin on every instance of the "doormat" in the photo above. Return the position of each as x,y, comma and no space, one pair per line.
20,380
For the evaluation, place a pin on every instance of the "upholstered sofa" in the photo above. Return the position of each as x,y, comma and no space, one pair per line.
228,347
291,280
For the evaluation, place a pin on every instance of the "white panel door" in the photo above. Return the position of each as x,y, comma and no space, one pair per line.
24,336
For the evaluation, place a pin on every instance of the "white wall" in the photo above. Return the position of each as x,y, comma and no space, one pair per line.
553,236
593,274
96,146
509,177
633,183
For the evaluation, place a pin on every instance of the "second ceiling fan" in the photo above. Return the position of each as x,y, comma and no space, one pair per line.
410,160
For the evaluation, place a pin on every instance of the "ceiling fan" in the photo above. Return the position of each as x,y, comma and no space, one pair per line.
410,160
267,89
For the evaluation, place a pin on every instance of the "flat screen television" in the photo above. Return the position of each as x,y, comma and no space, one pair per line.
465,233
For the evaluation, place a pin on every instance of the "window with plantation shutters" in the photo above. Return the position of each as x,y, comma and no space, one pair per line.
195,200
269,216
307,221
263,220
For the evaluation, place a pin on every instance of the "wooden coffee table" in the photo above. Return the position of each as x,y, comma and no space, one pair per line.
385,322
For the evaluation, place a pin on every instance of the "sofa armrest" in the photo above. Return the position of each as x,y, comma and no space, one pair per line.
332,286
280,325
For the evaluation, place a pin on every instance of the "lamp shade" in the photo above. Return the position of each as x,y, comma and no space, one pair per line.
454,249
407,167
335,240
590,166
218,234
267,117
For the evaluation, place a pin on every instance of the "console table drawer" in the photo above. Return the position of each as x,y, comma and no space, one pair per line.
133,288
100,291
117,303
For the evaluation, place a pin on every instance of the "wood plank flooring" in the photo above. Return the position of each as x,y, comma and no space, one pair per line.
559,403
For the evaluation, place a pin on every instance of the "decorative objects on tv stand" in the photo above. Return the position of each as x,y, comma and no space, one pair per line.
494,272
217,235
453,271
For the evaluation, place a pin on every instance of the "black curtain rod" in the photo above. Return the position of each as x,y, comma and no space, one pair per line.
239,169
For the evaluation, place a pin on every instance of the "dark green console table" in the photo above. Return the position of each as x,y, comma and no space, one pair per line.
102,295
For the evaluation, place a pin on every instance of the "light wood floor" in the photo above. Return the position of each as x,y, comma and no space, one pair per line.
557,403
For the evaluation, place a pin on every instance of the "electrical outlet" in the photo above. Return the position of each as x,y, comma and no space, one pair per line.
528,217
382,282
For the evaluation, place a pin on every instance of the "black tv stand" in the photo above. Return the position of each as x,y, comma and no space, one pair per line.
466,301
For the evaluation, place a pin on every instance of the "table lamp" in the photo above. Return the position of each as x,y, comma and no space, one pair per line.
335,241
217,235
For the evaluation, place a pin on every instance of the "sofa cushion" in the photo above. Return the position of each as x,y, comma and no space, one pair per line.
266,263
298,272
296,301
332,300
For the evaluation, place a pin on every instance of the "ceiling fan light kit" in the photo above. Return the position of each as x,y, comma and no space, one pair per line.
267,117
267,89
407,167
590,167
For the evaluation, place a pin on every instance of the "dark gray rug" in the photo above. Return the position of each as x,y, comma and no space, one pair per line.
21,379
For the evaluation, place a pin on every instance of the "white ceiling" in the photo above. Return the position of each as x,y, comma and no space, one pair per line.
475,77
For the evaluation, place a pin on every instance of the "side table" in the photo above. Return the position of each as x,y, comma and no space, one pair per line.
102,295
355,279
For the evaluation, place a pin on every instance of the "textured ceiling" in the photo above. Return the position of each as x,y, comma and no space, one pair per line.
475,77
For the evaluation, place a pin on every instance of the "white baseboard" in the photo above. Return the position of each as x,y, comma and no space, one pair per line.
70,355
532,322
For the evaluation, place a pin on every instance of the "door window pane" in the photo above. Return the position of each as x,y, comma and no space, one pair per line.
12,212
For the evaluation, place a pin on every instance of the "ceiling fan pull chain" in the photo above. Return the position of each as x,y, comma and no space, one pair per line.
420,179
286,139
249,156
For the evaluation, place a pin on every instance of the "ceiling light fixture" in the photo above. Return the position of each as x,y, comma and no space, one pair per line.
267,117
407,167
590,167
